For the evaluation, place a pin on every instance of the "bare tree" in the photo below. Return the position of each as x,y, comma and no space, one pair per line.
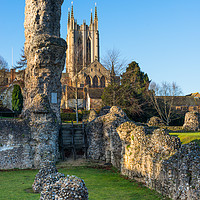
112,60
116,65
162,97
3,64
3,70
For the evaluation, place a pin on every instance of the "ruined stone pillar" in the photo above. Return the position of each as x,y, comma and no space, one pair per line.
45,53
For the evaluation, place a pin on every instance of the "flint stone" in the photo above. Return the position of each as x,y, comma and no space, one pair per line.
192,121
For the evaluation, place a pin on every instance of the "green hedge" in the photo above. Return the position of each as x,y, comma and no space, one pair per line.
71,117
85,112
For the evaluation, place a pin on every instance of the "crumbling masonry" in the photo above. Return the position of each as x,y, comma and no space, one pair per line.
150,156
45,53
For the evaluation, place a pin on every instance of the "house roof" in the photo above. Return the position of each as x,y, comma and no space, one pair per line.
196,94
71,92
94,93
184,100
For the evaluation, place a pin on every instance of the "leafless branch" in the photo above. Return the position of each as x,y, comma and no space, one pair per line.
162,98
113,58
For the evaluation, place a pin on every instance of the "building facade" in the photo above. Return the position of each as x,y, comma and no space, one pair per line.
83,69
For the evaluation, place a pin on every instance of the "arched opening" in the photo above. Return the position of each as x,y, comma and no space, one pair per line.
95,82
102,82
88,81
88,52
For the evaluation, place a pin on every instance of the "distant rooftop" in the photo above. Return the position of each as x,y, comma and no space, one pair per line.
196,94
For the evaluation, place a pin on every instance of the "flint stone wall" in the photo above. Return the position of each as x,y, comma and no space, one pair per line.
192,121
155,121
104,141
45,53
150,156
15,150
29,143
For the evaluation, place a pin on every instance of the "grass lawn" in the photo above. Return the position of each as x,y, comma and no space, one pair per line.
188,137
101,184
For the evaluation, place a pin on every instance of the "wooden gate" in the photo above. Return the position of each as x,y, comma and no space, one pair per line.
73,140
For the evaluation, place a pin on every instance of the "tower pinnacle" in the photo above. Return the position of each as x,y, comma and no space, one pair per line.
91,19
72,10
68,15
96,17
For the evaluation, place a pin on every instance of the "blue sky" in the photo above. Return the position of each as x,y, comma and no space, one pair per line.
163,36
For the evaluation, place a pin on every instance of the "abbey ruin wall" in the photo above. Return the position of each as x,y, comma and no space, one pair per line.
150,156
15,150
45,52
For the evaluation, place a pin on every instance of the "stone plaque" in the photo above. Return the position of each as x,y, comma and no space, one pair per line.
54,98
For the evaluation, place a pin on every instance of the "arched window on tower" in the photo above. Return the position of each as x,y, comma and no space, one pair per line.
95,82
88,81
88,51
102,82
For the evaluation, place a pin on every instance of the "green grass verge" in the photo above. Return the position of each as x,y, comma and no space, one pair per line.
188,137
101,184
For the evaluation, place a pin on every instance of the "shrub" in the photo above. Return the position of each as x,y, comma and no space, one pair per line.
17,100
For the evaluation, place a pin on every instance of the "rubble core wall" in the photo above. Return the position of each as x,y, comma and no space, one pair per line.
45,52
28,144
150,156
104,141
192,121
15,150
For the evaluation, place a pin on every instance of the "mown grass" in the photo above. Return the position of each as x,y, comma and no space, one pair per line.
101,184
188,137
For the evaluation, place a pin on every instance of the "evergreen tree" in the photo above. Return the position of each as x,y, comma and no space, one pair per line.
135,85
110,94
132,94
135,78
17,100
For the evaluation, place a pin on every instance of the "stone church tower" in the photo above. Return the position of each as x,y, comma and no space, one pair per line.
83,44
85,77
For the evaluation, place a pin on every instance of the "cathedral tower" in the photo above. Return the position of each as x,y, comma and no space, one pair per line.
83,44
